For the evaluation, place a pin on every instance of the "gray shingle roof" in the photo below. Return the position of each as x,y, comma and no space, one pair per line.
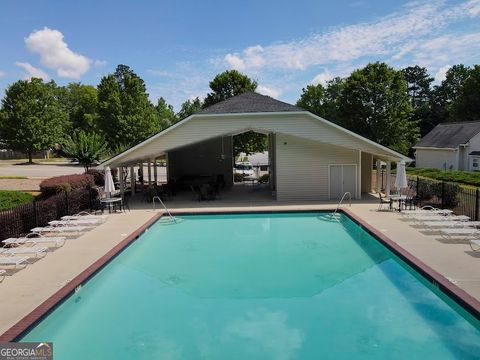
249,103
450,135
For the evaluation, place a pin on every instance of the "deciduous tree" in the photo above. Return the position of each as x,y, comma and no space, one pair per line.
126,115
31,117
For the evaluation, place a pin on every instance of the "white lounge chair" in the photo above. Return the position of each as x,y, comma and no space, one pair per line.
418,220
84,215
412,213
434,225
475,244
59,229
2,275
14,261
76,222
30,251
462,233
33,239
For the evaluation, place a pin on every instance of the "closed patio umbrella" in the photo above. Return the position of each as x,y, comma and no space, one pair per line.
401,178
109,185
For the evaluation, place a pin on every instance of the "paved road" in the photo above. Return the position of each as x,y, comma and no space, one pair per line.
39,170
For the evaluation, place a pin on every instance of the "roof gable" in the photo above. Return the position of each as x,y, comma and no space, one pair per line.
450,135
250,102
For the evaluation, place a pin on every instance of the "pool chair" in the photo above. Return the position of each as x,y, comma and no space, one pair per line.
76,222
426,212
67,230
420,219
15,261
435,225
2,275
34,252
34,239
384,201
460,233
85,215
475,244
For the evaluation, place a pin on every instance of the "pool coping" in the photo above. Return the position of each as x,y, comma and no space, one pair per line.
465,300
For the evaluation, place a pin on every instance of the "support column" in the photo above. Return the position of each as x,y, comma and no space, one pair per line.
359,175
387,185
379,173
149,173
120,178
155,175
141,176
132,180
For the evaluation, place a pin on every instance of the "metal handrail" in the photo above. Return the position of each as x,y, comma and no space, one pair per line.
341,200
161,202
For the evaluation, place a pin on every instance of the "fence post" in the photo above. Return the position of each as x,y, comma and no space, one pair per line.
66,203
35,212
477,193
443,194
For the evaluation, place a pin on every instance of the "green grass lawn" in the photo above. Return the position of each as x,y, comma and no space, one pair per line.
12,177
10,199
461,177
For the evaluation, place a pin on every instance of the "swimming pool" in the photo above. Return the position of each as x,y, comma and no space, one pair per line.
258,286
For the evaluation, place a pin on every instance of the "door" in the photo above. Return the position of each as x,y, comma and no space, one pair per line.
343,178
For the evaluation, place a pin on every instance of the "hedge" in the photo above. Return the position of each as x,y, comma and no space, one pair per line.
462,177
65,183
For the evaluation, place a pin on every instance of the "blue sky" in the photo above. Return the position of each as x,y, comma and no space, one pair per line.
178,46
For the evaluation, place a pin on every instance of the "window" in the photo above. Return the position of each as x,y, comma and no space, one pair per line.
475,164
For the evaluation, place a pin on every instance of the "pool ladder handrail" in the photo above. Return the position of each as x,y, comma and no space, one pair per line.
341,200
172,218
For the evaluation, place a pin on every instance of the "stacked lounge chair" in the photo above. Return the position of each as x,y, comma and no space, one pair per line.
19,251
450,226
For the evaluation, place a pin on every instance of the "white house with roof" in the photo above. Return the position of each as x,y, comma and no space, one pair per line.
450,146
310,158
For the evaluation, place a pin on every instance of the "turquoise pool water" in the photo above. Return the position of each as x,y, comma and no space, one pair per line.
258,286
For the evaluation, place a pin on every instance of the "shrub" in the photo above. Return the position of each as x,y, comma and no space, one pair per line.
65,183
11,199
264,178
237,177
98,177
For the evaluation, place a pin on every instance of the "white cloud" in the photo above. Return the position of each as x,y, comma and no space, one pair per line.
2,73
322,78
441,73
158,72
31,71
55,53
269,91
99,63
394,36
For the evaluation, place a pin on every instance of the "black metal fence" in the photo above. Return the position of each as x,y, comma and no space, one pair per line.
19,220
462,200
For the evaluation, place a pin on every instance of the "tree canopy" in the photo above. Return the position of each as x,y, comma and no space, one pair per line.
80,102
165,113
228,84
126,115
190,107
31,116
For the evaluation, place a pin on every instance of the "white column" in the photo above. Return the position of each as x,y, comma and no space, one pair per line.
120,178
387,185
149,173
132,180
359,176
155,175
379,172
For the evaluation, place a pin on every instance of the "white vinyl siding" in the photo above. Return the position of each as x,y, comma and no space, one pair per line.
436,158
302,167
202,128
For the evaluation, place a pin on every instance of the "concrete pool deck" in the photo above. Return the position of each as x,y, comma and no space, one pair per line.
27,289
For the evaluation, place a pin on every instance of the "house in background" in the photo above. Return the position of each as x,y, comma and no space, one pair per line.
450,146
